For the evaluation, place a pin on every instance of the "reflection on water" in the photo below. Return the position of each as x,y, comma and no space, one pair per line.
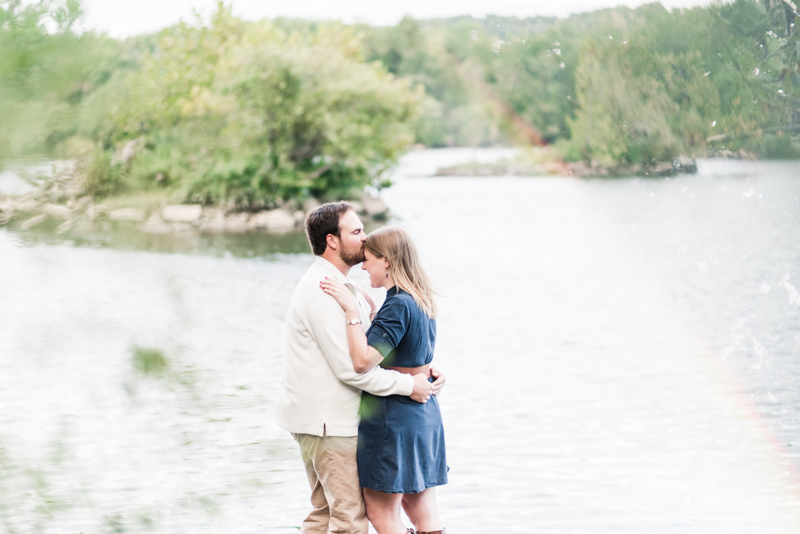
728,245
621,356
125,236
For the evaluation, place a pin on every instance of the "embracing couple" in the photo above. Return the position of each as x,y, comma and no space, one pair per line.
359,393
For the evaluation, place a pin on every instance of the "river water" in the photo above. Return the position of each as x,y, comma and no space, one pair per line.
622,357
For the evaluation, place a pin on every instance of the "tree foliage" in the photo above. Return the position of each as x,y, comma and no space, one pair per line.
619,85
248,113
665,83
46,70
453,113
245,113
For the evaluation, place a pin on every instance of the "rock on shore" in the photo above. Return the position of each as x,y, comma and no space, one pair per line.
127,214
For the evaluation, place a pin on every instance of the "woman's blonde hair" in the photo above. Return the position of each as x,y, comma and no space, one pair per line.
394,244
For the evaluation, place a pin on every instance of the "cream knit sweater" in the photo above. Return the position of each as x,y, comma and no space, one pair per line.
320,392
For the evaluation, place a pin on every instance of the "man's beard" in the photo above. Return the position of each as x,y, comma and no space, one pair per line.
352,258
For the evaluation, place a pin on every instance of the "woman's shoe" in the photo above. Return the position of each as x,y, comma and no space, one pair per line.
443,531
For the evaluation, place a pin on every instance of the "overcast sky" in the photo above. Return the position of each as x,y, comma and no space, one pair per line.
122,18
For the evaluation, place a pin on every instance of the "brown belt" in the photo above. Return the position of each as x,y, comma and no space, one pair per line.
424,369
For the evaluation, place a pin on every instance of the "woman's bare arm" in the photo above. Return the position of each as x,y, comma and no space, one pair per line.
362,355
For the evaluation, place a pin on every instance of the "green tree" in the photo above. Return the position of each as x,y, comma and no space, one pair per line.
249,114
46,70
451,112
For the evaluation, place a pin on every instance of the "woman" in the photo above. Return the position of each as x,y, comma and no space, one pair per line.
401,452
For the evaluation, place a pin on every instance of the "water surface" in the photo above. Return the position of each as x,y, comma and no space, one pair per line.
621,357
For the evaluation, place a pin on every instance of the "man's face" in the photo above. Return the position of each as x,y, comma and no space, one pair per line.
352,237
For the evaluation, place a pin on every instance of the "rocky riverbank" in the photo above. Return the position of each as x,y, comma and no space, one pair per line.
85,215
56,199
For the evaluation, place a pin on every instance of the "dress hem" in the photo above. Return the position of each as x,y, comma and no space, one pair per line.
405,491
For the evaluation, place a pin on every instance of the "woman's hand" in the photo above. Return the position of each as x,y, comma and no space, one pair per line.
341,293
439,380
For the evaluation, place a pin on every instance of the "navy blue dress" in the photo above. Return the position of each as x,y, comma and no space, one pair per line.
400,441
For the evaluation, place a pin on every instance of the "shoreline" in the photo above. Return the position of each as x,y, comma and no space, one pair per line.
521,167
543,162
56,202
83,215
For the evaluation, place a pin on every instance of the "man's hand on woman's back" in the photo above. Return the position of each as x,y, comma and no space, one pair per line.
422,389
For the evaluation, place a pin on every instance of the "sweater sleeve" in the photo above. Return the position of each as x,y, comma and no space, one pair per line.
327,326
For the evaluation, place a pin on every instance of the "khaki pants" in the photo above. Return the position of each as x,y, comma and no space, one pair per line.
338,506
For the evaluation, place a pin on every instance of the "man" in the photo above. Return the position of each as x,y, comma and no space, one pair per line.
320,394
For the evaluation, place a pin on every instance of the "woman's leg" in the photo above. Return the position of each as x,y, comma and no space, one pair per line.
383,511
422,510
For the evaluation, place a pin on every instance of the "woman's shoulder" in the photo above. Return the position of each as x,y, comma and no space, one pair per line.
404,301
398,303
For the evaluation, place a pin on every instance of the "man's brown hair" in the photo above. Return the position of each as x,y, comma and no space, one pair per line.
323,221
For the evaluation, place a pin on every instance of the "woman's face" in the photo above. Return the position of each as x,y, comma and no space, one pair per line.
376,267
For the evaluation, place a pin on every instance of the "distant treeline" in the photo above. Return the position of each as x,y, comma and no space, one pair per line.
248,113
614,85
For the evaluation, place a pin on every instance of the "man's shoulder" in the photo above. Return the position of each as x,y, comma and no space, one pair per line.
308,290
312,277
303,290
